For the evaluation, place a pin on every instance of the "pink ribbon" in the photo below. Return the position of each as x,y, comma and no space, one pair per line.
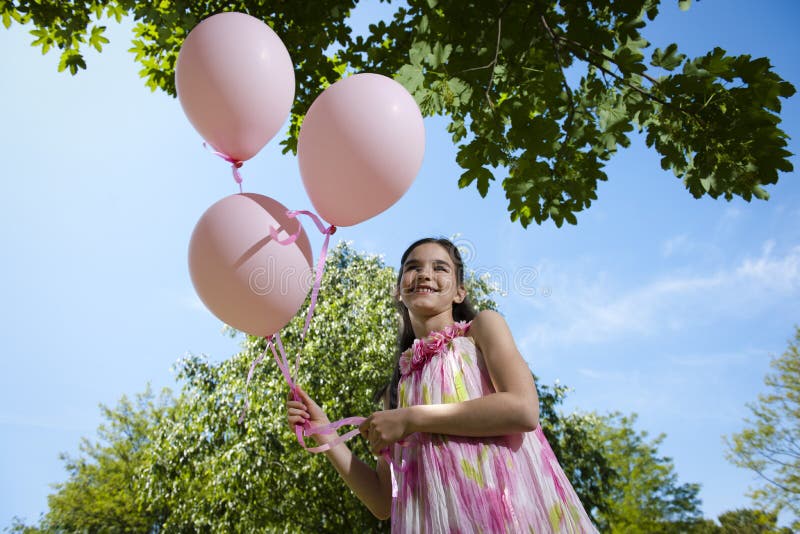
235,163
307,430
304,430
328,232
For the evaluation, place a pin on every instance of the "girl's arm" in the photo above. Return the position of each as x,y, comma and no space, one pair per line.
513,408
373,487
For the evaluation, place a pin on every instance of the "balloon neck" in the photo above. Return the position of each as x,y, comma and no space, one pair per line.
238,164
331,230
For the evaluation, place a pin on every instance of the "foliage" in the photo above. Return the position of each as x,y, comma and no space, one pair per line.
770,443
747,521
539,92
99,495
739,521
211,473
581,455
644,494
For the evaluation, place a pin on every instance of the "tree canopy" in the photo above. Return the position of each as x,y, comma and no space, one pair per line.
539,94
769,445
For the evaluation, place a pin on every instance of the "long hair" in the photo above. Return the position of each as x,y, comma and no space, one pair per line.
462,311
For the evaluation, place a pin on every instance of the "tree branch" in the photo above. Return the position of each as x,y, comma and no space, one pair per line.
567,88
493,63
625,82
602,55
576,46
749,463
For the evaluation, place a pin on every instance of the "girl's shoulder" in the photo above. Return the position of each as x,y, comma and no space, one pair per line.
488,327
487,320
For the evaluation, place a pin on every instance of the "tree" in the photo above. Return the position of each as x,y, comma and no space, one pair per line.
747,521
645,496
739,521
206,471
100,494
499,71
770,443
583,457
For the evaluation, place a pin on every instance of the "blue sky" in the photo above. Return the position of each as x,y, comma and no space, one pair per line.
655,303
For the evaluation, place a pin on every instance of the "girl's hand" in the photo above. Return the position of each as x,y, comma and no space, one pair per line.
306,410
385,428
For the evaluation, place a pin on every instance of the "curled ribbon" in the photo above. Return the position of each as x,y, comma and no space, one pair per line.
235,163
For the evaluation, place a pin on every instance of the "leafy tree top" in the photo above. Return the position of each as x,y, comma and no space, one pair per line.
540,94
769,445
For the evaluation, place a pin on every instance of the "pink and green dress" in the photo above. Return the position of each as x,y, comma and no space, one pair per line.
452,484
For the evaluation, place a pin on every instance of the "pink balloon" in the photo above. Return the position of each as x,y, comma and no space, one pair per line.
360,148
242,275
235,81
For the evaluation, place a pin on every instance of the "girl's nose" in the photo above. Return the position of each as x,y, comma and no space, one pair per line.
424,274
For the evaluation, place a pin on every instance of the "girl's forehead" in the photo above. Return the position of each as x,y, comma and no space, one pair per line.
429,252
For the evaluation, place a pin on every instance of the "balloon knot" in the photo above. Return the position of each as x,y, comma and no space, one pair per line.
331,230
238,164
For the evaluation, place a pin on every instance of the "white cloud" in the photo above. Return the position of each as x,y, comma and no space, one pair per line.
722,359
676,244
774,274
588,314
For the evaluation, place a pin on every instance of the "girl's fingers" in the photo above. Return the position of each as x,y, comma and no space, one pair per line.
300,393
299,411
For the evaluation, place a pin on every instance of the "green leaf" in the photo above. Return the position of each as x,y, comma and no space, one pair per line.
709,183
481,174
97,39
439,55
419,52
71,59
667,59
684,5
410,77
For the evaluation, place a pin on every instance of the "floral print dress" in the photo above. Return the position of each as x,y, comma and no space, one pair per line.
452,484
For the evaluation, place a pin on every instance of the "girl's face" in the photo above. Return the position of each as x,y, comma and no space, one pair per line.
429,282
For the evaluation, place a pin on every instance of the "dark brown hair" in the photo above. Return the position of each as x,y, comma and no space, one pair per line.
462,311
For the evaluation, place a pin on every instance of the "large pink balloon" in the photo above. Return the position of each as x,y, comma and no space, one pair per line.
235,81
360,148
242,275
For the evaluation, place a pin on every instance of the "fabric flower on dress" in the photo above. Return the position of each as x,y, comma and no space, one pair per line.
424,349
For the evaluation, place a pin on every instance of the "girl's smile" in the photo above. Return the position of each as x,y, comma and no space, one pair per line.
428,283
424,289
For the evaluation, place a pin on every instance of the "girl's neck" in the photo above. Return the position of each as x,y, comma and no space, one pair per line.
423,326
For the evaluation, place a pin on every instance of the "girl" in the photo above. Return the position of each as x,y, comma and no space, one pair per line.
461,419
